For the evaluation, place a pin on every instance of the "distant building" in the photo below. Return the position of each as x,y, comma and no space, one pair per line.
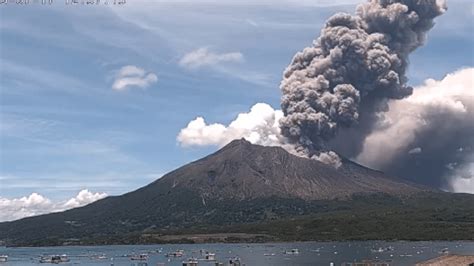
368,263
449,260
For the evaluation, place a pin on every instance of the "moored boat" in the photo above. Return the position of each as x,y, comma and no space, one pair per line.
210,256
139,257
234,261
190,262
175,254
294,251
56,259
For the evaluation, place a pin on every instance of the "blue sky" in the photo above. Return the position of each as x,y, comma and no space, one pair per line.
65,128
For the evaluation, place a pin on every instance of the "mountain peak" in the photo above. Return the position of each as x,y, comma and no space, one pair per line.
237,143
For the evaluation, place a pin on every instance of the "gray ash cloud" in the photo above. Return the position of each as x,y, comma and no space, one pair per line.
353,68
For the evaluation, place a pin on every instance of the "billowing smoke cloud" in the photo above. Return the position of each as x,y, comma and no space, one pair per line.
259,126
356,65
429,136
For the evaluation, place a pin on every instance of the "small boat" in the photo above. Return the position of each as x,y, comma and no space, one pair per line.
369,262
99,257
294,251
269,254
56,259
190,262
175,254
381,249
234,261
139,257
444,251
3,258
210,256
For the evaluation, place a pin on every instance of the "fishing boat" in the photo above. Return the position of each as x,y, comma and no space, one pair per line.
382,249
190,262
294,251
3,258
210,256
139,257
175,254
234,262
56,259
98,257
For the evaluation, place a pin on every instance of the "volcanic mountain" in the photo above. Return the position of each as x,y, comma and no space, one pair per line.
242,171
247,188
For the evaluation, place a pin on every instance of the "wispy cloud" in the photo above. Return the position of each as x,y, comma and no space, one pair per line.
133,76
202,57
13,76
59,185
283,3
36,204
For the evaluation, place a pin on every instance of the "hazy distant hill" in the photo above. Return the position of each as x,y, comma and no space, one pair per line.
265,191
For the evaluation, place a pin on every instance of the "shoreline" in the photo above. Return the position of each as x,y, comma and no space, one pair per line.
242,242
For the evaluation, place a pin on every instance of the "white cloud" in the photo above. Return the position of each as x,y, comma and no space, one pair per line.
438,117
203,57
36,204
84,197
421,112
461,177
463,185
133,76
260,126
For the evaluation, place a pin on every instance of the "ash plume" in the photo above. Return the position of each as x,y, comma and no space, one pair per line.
353,68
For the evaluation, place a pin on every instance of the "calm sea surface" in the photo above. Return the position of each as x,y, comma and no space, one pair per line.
310,253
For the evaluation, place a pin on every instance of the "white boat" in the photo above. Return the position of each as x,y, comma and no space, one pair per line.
3,258
383,249
294,251
175,254
54,259
191,262
139,257
210,256
444,251
99,257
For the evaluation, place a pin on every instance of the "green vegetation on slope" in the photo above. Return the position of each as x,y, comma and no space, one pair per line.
427,216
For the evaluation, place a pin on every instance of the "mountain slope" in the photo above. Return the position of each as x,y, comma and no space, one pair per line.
243,171
239,185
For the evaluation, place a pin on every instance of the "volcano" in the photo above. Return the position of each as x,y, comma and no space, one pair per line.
243,171
247,188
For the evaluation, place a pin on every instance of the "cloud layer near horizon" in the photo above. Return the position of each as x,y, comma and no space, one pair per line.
36,204
431,129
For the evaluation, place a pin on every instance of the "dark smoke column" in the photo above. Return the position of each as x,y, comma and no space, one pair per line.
358,62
